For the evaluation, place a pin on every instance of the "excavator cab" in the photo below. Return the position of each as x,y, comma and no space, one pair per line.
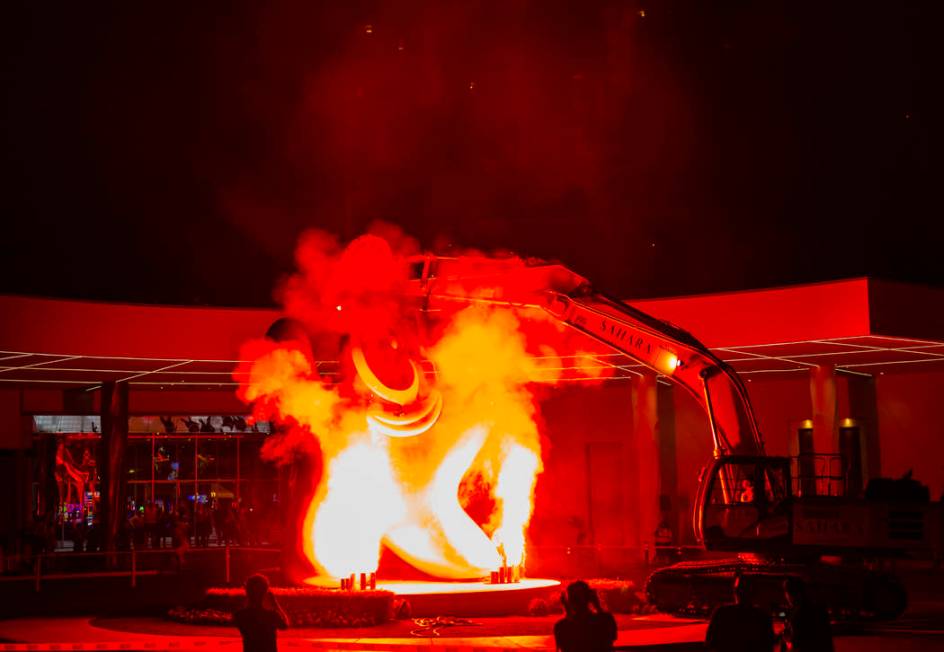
744,503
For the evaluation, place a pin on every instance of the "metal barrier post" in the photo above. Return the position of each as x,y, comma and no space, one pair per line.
227,563
134,568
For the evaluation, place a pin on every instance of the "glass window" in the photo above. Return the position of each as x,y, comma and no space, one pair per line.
250,457
775,484
166,495
734,485
186,449
139,493
217,458
138,459
67,423
173,458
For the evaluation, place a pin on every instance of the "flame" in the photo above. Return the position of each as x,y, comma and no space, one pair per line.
415,424
344,529
514,490
442,539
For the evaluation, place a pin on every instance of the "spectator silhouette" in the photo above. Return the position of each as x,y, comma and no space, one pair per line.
740,627
202,525
261,617
586,627
152,519
807,627
180,538
136,523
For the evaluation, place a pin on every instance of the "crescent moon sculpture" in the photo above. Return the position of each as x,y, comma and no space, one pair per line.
408,424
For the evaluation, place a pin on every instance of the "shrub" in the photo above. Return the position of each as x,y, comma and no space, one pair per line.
538,607
617,596
304,606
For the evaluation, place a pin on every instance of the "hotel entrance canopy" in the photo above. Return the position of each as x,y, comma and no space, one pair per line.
859,326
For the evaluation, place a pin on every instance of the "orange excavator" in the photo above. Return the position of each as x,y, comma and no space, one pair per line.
746,514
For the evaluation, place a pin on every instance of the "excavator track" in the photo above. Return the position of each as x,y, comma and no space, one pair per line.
696,588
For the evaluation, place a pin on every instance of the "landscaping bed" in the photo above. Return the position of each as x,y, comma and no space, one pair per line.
616,596
304,607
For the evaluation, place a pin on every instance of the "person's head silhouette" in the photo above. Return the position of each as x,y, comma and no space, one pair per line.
741,593
256,588
579,597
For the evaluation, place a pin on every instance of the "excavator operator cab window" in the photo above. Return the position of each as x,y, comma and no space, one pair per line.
776,485
745,503
734,486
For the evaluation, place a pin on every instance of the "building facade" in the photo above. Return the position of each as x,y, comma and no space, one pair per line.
845,377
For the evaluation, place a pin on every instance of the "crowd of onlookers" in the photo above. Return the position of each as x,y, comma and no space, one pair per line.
157,525
225,522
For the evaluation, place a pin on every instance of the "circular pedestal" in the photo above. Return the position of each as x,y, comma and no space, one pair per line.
469,599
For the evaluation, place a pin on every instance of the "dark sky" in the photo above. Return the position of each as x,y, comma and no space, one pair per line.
172,152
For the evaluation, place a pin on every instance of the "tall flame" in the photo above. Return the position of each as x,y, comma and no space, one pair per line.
514,490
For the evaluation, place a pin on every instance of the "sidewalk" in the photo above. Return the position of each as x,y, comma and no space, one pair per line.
79,634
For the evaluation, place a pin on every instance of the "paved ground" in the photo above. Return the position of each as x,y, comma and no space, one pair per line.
155,634
920,630
472,627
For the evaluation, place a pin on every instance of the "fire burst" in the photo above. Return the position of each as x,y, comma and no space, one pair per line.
428,436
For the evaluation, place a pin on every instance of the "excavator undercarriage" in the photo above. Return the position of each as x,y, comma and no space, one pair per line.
852,592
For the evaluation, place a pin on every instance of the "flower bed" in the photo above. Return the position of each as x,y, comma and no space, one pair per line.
620,596
616,596
304,606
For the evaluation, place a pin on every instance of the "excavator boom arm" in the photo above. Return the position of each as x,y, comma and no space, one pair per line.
659,346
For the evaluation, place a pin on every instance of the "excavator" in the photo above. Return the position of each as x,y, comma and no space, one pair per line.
746,515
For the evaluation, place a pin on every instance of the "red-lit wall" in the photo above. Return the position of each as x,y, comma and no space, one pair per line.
191,402
780,404
906,431
576,419
693,449
10,436
911,423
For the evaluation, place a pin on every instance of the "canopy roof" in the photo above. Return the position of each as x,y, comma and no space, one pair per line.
860,326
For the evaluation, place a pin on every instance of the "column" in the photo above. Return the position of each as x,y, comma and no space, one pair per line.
825,409
114,413
646,449
863,407
825,425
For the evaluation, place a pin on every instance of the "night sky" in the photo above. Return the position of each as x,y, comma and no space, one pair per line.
172,152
